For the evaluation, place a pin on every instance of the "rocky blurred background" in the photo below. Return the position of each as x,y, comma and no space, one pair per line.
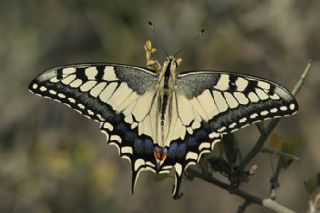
54,160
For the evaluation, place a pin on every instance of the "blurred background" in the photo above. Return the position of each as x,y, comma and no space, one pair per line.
54,160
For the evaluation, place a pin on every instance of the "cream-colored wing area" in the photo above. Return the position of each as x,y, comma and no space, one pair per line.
91,89
139,111
187,114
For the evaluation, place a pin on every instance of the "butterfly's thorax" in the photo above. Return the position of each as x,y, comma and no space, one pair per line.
166,85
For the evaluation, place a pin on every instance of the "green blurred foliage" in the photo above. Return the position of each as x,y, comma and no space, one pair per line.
276,141
310,185
288,144
54,160
292,145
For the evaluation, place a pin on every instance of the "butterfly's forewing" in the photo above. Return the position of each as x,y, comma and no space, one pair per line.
221,103
114,95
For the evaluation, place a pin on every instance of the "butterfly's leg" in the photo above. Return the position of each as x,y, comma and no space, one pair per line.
151,63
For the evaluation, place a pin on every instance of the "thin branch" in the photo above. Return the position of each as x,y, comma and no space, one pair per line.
238,148
259,145
279,153
267,130
252,199
275,206
275,179
300,82
260,127
243,207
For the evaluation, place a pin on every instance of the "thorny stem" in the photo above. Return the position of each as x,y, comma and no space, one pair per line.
244,206
279,153
267,130
268,203
275,179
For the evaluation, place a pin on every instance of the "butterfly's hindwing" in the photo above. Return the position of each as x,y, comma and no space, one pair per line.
138,149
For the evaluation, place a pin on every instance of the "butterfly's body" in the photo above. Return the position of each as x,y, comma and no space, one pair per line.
164,98
159,119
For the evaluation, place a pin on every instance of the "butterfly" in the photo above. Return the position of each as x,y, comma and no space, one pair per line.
159,119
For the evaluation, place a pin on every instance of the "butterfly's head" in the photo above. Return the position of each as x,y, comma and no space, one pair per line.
171,64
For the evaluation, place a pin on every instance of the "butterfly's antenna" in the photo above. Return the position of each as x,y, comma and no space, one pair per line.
190,42
157,38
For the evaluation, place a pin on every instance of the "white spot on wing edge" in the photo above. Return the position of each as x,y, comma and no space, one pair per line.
274,110
168,167
254,115
192,156
72,100
178,168
115,138
108,126
222,129
214,143
52,92
283,108
242,120
60,95
81,106
43,88
138,164
214,135
231,126
204,145
34,86
126,150
292,106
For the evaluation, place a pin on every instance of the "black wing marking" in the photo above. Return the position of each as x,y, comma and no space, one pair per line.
222,103
137,149
105,93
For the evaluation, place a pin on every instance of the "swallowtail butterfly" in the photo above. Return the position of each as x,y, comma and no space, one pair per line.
159,119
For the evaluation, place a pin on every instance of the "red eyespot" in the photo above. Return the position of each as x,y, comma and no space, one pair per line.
157,154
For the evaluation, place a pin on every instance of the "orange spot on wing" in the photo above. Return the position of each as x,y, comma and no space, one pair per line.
157,154
164,156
